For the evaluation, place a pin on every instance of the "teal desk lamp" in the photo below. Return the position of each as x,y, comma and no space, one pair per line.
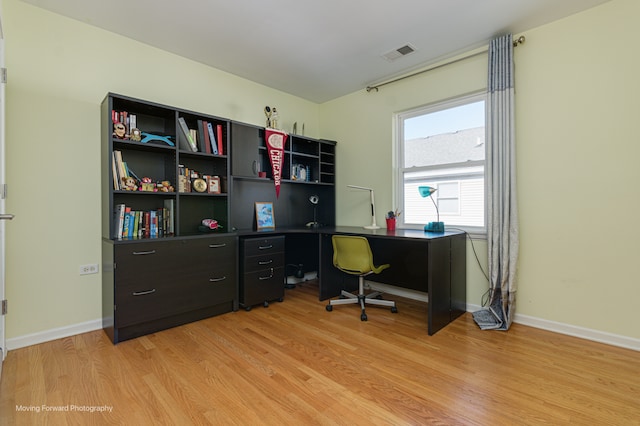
427,191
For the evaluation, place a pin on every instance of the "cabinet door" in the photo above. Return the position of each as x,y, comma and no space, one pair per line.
145,274
245,144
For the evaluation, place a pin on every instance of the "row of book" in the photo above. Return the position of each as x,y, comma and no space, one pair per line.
121,172
133,224
124,117
206,138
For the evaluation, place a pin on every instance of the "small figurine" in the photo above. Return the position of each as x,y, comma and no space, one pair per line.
267,112
146,184
164,186
274,118
120,130
129,184
136,135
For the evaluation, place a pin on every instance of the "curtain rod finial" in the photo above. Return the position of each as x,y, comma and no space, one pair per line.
519,40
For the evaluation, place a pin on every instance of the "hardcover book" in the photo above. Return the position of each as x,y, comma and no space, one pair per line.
186,134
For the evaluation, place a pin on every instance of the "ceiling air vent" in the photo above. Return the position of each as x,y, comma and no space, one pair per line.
399,52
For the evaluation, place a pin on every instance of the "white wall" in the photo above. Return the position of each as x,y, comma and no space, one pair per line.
577,150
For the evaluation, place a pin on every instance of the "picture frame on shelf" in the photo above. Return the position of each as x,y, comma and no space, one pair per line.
213,183
264,215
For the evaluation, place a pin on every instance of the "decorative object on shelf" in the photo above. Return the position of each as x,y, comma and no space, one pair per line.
211,224
274,118
120,130
267,112
373,225
148,137
427,191
136,135
213,183
264,215
300,172
276,140
295,128
147,185
314,199
164,186
129,183
199,185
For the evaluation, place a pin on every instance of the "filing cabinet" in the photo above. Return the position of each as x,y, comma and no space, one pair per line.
262,270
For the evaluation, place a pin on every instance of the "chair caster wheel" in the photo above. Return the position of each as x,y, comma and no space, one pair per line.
281,299
363,317
247,308
394,310
329,308
265,304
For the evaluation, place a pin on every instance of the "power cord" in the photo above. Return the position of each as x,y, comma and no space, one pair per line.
487,294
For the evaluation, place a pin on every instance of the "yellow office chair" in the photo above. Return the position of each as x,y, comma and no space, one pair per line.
352,254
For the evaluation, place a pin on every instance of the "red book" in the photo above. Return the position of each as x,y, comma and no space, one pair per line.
147,226
205,134
219,136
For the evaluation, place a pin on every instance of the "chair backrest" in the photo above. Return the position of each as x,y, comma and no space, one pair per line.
352,254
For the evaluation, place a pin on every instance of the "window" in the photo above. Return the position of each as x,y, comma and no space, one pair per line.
442,146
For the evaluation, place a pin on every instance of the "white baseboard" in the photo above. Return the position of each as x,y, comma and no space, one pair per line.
570,330
573,330
53,334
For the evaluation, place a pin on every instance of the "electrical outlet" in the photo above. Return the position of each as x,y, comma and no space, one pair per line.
89,269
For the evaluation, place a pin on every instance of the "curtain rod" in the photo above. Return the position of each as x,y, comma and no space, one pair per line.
516,42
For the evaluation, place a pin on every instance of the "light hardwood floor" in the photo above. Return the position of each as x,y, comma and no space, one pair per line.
294,363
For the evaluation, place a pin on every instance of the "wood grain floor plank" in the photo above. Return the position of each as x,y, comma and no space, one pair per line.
296,363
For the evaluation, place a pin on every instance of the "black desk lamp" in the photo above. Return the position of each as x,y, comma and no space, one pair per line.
427,191
314,199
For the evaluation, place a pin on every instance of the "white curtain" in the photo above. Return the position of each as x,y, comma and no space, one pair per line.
502,210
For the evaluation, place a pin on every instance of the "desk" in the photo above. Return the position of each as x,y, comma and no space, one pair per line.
430,262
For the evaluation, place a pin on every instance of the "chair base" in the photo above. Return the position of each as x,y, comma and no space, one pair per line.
362,300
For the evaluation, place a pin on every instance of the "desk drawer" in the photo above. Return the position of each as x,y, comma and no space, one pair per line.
262,246
266,261
262,286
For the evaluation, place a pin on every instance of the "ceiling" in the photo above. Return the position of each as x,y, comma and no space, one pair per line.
317,50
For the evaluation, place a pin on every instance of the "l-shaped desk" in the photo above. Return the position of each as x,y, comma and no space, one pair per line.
429,262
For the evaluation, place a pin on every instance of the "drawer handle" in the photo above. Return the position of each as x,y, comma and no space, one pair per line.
270,246
215,280
217,245
267,278
143,293
265,262
142,253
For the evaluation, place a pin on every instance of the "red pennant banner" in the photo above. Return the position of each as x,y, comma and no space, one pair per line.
276,140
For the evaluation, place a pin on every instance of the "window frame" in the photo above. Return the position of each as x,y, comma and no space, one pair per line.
400,170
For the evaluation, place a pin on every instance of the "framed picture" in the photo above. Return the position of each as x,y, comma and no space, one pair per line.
264,215
213,183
